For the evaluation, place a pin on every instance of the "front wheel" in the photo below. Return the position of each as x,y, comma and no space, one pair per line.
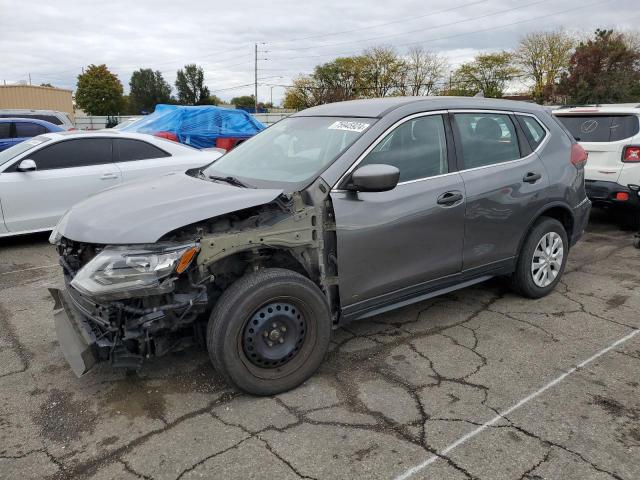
542,258
269,331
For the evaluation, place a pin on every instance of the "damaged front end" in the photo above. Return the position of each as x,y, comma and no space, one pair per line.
123,304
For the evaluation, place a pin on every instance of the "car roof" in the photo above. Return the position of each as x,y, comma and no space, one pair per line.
44,123
379,107
597,110
174,147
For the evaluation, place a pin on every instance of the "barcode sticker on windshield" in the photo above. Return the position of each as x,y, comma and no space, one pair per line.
34,142
350,126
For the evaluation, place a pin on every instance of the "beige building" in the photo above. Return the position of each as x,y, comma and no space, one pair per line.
37,98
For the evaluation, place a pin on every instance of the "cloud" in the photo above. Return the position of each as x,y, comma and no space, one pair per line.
53,41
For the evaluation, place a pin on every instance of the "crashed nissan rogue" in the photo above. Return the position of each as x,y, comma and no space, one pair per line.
337,213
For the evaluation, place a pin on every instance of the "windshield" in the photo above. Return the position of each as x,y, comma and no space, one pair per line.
291,151
11,153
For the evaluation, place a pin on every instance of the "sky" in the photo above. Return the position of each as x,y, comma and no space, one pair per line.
53,41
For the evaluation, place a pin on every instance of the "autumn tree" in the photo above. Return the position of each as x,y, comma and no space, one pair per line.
489,73
603,69
383,71
98,91
543,57
301,94
424,71
190,86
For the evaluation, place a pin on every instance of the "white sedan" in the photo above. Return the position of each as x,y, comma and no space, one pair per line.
41,178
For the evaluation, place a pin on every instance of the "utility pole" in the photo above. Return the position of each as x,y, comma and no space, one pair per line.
256,78
29,79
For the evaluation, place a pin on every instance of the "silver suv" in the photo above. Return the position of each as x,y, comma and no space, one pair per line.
335,214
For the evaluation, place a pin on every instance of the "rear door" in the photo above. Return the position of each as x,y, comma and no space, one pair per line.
67,171
604,137
137,159
505,183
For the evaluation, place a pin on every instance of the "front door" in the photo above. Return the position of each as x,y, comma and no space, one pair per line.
504,182
67,172
391,244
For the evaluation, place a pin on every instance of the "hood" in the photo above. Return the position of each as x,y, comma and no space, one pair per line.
144,211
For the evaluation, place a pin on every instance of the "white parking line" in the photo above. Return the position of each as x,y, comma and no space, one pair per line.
30,268
413,470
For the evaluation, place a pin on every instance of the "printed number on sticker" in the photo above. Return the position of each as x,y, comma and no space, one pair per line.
351,126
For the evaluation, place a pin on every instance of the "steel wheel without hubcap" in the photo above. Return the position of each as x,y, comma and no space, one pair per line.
547,259
274,334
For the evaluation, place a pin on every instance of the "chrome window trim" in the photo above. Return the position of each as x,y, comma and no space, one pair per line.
379,139
545,140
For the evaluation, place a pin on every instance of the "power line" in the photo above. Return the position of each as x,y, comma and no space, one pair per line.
382,24
457,22
420,42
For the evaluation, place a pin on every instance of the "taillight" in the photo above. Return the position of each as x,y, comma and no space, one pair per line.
168,135
578,155
631,154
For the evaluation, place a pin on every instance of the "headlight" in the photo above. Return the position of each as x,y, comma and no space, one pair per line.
126,272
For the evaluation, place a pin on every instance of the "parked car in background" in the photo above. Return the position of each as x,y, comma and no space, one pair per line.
336,213
16,130
52,116
43,177
203,126
126,123
611,135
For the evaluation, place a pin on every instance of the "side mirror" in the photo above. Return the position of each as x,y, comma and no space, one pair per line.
27,165
375,177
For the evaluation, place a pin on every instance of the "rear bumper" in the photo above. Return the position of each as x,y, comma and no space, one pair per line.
580,220
77,340
603,193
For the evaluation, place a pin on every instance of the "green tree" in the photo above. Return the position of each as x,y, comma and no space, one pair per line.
214,100
190,86
147,89
604,69
543,58
244,101
489,73
47,85
99,92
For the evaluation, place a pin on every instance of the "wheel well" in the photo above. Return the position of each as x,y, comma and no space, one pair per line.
563,215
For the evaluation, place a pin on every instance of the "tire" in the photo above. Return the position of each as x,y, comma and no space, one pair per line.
231,337
523,278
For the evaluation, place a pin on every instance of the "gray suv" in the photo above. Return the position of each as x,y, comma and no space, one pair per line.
337,213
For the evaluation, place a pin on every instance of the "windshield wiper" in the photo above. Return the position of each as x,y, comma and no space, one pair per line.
230,181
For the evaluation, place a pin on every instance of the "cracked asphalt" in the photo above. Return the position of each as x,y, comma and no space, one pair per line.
394,390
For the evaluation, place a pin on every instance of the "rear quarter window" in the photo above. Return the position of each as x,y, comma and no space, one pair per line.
600,128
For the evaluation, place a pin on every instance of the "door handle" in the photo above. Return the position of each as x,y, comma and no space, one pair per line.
531,177
109,176
449,198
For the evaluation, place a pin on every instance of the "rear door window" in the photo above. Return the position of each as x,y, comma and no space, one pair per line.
26,129
486,138
5,130
129,150
74,153
600,128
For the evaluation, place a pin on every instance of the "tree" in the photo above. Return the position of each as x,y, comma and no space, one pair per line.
301,94
99,92
489,73
543,57
214,100
382,72
604,69
339,80
190,86
47,85
147,89
424,70
244,101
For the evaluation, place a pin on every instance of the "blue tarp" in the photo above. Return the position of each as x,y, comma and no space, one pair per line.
198,126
